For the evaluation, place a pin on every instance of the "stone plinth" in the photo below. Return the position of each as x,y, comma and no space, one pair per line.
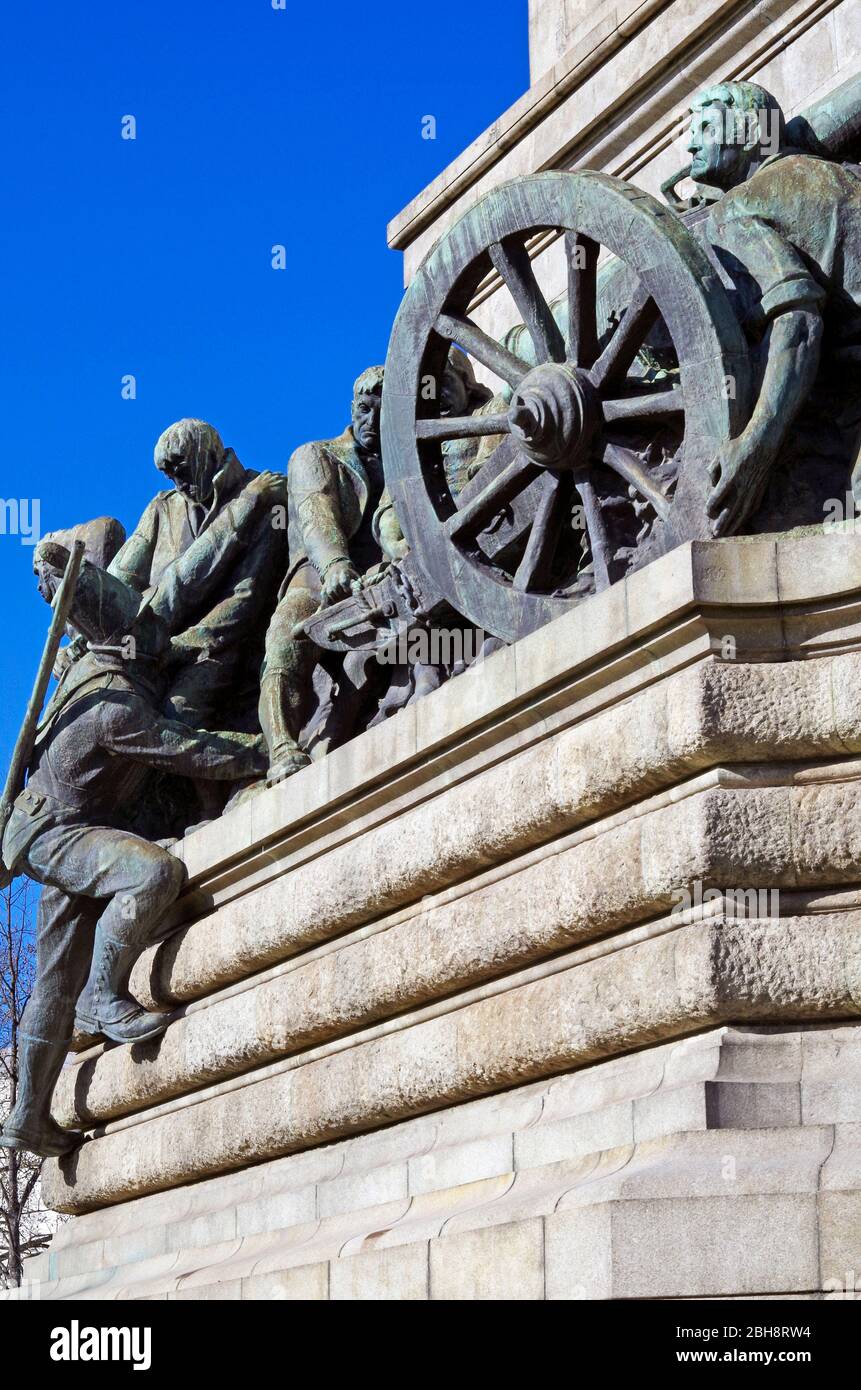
724,1165
551,973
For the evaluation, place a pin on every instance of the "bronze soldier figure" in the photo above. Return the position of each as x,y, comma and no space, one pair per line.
792,220
105,889
334,488
217,630
461,394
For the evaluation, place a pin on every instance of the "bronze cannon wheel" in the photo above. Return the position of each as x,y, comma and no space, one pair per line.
573,413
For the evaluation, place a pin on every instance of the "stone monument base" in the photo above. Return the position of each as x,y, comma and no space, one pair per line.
550,986
726,1165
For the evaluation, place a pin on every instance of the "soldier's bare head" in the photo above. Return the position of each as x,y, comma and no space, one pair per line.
104,610
367,403
190,453
734,127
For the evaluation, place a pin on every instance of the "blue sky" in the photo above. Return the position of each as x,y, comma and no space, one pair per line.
152,257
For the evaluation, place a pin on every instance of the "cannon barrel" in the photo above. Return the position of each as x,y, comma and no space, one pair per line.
834,122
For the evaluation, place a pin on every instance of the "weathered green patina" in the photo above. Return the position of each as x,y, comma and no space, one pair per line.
701,380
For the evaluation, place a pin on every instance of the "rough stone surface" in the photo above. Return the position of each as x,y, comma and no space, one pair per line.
674,983
546,1191
700,717
638,867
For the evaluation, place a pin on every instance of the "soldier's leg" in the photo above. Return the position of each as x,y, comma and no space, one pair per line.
143,881
139,882
194,697
64,937
196,693
286,677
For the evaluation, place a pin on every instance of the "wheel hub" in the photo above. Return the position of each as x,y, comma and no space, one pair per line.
554,414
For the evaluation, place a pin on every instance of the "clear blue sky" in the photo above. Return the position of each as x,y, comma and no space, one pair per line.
255,126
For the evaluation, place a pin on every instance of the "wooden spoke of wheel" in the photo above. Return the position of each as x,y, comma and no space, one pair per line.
456,328
626,463
533,568
582,256
462,426
511,259
612,366
644,406
598,540
489,499
491,467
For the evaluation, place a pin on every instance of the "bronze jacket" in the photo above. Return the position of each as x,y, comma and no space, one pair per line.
234,591
332,499
795,226
94,753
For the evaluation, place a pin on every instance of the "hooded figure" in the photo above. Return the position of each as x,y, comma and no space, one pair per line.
218,629
105,889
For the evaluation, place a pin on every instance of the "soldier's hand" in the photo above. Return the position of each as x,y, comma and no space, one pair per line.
67,656
738,476
266,485
187,648
338,581
397,549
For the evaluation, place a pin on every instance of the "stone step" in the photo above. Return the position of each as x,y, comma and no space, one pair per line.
626,870
332,882
674,984
737,1140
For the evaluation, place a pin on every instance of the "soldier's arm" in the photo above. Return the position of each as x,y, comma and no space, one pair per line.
313,482
133,561
387,529
794,340
253,585
789,317
225,623
131,728
132,564
190,579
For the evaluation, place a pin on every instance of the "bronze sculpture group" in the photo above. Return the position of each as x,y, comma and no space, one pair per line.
701,382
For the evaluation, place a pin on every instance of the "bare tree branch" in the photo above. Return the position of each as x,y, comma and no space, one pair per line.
25,1226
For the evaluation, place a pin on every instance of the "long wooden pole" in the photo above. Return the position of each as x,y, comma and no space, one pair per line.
61,605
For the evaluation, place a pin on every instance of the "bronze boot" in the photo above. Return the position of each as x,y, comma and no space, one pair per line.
30,1125
285,755
105,1005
